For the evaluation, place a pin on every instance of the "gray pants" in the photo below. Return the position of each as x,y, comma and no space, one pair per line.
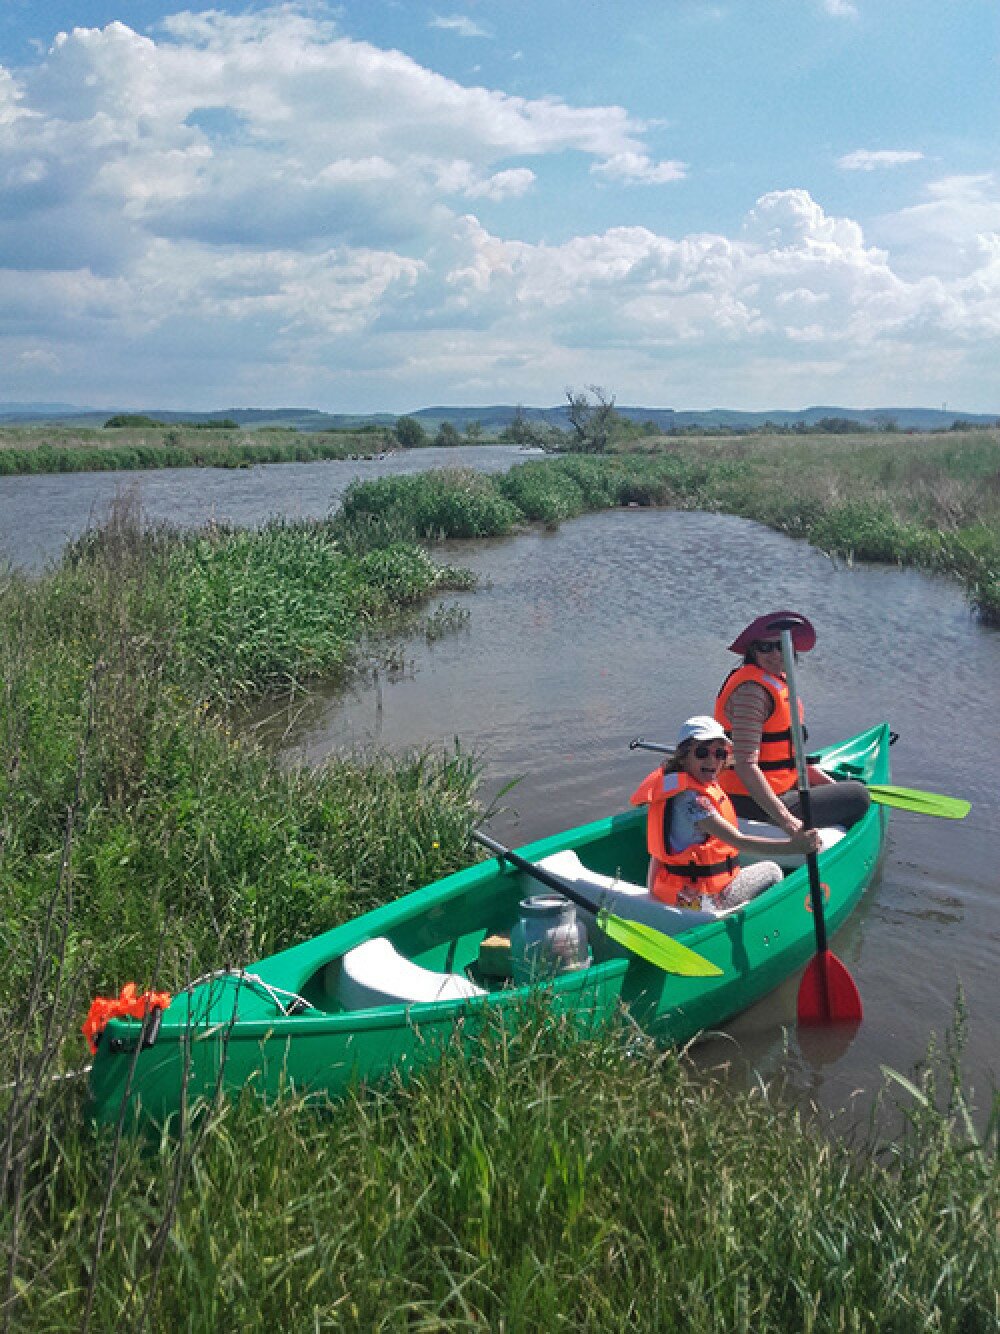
745,885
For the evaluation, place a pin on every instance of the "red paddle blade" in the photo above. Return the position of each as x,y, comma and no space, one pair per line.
827,994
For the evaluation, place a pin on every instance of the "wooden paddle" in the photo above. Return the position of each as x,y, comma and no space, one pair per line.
883,794
827,992
645,941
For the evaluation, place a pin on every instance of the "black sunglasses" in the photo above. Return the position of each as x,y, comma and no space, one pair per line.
702,752
767,645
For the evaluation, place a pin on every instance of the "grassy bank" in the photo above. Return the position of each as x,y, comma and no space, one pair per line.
546,1184
119,775
65,449
926,501
138,839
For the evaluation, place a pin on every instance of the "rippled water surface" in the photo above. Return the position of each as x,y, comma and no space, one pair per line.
615,625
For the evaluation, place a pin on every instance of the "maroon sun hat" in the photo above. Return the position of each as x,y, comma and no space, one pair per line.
766,627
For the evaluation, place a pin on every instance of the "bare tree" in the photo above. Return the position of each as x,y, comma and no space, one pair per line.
593,421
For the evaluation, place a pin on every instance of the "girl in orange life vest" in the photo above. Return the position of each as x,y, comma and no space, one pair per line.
691,830
753,707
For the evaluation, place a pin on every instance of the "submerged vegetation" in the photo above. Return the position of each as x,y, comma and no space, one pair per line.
600,1185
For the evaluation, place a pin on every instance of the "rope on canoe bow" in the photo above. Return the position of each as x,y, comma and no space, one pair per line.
50,1079
292,1003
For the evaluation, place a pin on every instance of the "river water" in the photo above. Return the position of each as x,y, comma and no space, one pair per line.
614,626
38,515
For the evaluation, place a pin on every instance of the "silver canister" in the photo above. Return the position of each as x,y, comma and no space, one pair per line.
547,939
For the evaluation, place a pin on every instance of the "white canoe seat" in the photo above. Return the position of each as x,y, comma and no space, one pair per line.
375,973
829,835
633,902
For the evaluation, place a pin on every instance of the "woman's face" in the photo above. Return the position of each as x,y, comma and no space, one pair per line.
766,654
702,760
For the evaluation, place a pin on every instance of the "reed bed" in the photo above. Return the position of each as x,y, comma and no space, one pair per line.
62,449
140,840
927,501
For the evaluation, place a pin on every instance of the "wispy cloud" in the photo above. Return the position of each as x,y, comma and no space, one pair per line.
867,159
841,9
460,24
633,168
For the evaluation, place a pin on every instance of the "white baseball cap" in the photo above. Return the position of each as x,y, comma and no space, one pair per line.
701,728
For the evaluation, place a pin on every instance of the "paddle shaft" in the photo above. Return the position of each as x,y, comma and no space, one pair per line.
539,873
799,744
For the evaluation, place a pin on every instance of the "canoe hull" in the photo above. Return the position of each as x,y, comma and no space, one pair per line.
228,1034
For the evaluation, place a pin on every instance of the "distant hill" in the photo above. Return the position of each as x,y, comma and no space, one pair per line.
907,419
28,411
300,419
495,417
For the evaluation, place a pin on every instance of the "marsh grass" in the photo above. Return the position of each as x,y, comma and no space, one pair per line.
140,841
63,449
926,501
445,503
542,1182
269,610
115,670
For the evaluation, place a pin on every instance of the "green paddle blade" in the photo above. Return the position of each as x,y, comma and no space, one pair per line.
926,803
655,947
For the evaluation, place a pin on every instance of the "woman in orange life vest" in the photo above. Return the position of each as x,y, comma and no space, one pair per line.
753,707
691,830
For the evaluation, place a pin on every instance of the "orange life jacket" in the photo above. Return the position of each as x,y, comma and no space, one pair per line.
701,870
128,1005
776,757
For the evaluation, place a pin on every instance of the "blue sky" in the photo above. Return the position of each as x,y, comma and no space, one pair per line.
378,205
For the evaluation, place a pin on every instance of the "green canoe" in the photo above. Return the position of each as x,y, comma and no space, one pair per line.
385,991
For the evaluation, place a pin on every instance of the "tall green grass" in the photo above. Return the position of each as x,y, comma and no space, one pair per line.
543,1183
449,502
139,840
927,501
906,500
267,611
115,667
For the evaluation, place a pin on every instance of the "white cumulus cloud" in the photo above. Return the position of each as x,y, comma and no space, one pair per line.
256,208
635,168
